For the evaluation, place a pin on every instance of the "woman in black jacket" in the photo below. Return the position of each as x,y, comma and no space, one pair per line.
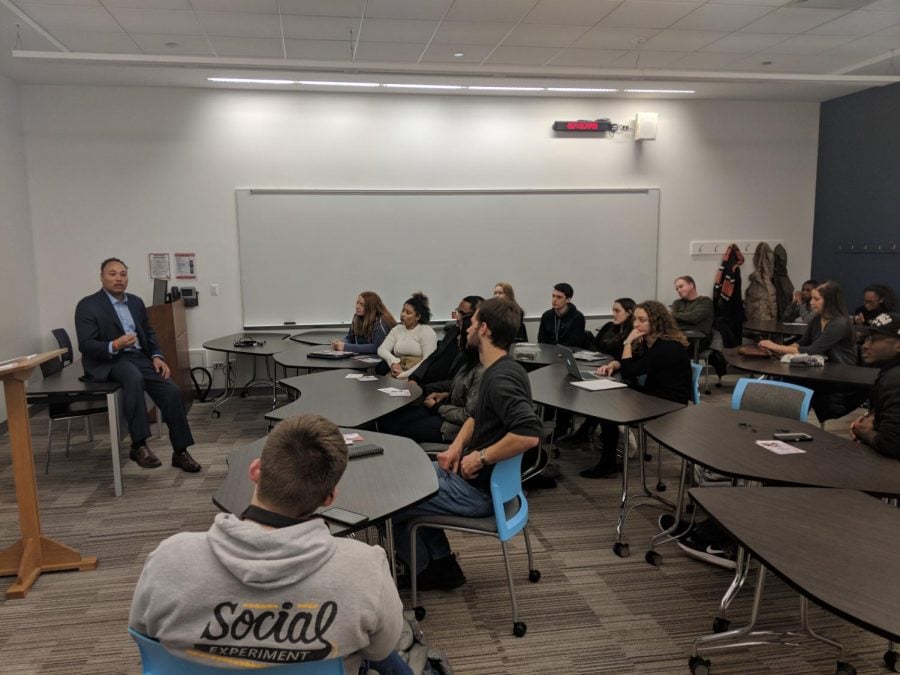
610,338
657,349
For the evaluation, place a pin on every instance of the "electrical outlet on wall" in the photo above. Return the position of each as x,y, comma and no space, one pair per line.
214,289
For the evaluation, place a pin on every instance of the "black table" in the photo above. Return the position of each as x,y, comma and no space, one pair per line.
724,440
347,402
295,356
533,355
552,386
377,486
66,382
830,373
320,337
836,547
776,329
272,343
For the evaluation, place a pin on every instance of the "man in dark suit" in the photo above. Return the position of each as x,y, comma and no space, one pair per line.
117,343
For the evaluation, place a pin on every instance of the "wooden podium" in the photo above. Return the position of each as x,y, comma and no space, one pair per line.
34,553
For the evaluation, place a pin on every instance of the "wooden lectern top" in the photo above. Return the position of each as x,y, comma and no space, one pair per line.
21,366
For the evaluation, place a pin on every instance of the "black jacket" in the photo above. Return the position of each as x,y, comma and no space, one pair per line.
97,324
667,366
884,404
440,363
566,330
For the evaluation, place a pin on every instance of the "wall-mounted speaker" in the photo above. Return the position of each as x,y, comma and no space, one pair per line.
645,126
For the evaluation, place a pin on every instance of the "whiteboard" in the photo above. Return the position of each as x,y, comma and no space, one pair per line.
306,254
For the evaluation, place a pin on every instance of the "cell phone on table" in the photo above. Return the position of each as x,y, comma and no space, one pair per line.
343,516
792,437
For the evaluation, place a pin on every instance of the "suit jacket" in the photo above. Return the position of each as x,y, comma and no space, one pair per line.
97,324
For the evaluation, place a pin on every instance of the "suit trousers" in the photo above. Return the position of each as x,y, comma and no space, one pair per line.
135,372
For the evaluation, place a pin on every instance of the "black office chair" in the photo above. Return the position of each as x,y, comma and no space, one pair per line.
67,407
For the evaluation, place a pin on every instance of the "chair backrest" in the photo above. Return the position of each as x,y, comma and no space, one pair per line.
157,660
52,366
696,372
62,339
772,398
510,505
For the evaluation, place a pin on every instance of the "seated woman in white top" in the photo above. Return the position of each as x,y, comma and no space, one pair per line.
412,340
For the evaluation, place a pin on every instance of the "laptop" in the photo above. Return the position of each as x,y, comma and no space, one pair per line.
587,379
329,354
568,358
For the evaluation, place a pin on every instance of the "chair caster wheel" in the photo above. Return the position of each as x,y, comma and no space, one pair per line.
244,394
519,628
844,668
653,558
708,392
534,576
718,385
419,613
648,457
698,665
620,548
720,625
660,487
890,660
217,413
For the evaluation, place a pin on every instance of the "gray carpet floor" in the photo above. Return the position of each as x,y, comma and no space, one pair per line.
591,612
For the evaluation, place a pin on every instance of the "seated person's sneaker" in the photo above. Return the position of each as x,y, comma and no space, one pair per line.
719,553
600,471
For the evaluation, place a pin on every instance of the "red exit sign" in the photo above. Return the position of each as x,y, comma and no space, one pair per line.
600,125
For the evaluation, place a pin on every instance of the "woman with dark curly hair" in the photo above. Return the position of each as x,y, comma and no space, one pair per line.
877,299
412,340
657,349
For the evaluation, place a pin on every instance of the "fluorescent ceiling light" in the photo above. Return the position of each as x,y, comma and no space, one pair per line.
423,86
246,80
589,90
505,88
320,83
659,91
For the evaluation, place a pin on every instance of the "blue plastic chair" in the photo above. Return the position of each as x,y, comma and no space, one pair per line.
510,517
772,398
157,660
696,372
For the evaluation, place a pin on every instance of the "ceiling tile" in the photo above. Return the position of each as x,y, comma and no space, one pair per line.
615,38
588,57
319,50
809,44
252,6
755,3
323,7
467,33
893,31
858,23
151,4
789,63
97,41
873,45
489,10
647,14
185,45
397,30
174,21
64,17
240,24
529,56
571,12
544,35
404,9
792,20
682,40
439,53
249,47
884,5
706,60
389,51
319,27
721,17
744,43
79,3
648,59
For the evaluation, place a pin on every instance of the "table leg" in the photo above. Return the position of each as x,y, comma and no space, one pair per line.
112,407
389,537
668,535
228,389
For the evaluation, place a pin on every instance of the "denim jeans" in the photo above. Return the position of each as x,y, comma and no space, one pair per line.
456,497
392,665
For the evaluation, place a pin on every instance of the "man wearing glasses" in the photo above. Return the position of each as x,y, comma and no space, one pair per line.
880,426
442,364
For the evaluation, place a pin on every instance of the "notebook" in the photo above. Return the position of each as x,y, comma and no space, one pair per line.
329,354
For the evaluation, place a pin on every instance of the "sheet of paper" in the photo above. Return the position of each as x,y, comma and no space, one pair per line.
599,384
353,376
368,378
349,439
780,447
389,390
368,359
401,392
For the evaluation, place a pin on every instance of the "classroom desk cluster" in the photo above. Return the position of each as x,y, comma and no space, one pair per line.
788,526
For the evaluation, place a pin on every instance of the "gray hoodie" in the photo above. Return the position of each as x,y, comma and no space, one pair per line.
241,593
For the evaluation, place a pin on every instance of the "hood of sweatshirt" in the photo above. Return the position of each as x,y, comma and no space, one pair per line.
269,559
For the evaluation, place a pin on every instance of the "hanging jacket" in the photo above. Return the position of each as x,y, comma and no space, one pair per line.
784,287
728,306
759,301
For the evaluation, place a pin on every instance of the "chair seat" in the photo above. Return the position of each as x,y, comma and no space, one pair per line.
75,409
486,524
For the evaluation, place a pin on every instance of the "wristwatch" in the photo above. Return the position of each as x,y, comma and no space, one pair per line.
481,456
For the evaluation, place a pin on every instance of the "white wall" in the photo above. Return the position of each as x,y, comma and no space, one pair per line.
126,171
19,325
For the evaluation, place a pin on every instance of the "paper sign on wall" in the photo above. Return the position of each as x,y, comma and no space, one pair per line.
185,265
